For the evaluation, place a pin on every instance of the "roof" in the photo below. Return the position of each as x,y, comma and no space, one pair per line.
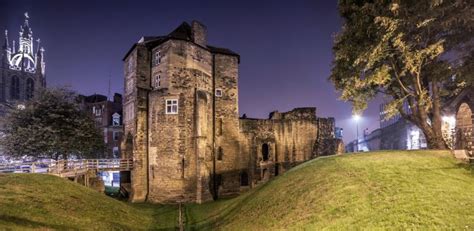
182,32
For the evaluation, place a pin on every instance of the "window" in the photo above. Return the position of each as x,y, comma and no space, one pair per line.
115,135
158,81
15,88
171,106
156,58
30,86
97,111
116,152
220,153
218,92
116,119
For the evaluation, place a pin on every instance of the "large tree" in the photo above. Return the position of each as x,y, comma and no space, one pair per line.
408,51
51,125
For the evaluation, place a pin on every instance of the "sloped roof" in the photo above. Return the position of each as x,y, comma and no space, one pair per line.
182,32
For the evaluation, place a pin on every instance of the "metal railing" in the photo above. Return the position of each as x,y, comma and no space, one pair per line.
68,167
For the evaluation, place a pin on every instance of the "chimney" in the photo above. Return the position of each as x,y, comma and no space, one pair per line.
199,32
117,98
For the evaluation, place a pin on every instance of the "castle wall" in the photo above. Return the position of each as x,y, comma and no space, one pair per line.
135,119
291,139
227,148
179,145
203,151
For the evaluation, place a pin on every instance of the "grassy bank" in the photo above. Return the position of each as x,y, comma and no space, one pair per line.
34,201
383,190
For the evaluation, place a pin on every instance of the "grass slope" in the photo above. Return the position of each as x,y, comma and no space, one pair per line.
34,201
383,190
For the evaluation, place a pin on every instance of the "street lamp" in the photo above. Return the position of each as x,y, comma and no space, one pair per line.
357,118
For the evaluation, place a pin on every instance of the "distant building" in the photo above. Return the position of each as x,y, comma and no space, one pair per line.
460,112
108,117
22,68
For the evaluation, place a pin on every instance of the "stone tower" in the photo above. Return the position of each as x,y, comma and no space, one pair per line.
181,117
22,68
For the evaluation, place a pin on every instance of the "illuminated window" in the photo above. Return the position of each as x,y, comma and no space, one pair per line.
116,119
171,106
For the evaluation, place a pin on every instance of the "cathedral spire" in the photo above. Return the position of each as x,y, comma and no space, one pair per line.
25,29
6,45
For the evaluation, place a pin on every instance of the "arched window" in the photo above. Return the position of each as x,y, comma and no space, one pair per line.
15,88
244,179
265,152
220,153
30,87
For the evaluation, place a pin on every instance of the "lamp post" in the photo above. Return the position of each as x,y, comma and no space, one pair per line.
357,118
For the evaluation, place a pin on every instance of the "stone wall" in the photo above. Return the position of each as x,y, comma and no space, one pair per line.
271,146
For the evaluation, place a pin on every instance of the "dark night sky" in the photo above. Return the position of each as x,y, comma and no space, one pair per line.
285,46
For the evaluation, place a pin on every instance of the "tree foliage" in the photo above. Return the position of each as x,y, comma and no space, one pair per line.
51,125
408,51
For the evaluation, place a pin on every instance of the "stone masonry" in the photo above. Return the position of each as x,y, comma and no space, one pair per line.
182,125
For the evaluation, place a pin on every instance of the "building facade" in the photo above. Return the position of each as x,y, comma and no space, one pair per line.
182,126
22,67
107,115
461,110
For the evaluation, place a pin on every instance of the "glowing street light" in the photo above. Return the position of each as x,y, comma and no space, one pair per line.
356,118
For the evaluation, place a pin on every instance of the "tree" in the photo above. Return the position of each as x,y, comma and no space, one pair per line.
51,125
404,50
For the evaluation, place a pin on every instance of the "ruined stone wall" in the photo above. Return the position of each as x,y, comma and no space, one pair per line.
137,71
290,138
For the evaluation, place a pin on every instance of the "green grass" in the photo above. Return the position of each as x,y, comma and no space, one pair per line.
399,190
384,190
34,201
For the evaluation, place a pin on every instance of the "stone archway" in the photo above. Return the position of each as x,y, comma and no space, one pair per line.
464,125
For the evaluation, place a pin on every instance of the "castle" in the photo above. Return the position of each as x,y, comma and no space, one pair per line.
182,126
22,68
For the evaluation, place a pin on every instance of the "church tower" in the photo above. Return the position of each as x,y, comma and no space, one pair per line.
22,68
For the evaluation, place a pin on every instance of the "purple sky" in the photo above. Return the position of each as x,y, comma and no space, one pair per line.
285,46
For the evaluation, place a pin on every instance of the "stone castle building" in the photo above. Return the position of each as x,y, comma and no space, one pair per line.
182,125
22,67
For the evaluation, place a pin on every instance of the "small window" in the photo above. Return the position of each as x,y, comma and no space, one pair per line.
157,58
115,119
158,81
116,152
220,153
218,92
116,136
171,106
